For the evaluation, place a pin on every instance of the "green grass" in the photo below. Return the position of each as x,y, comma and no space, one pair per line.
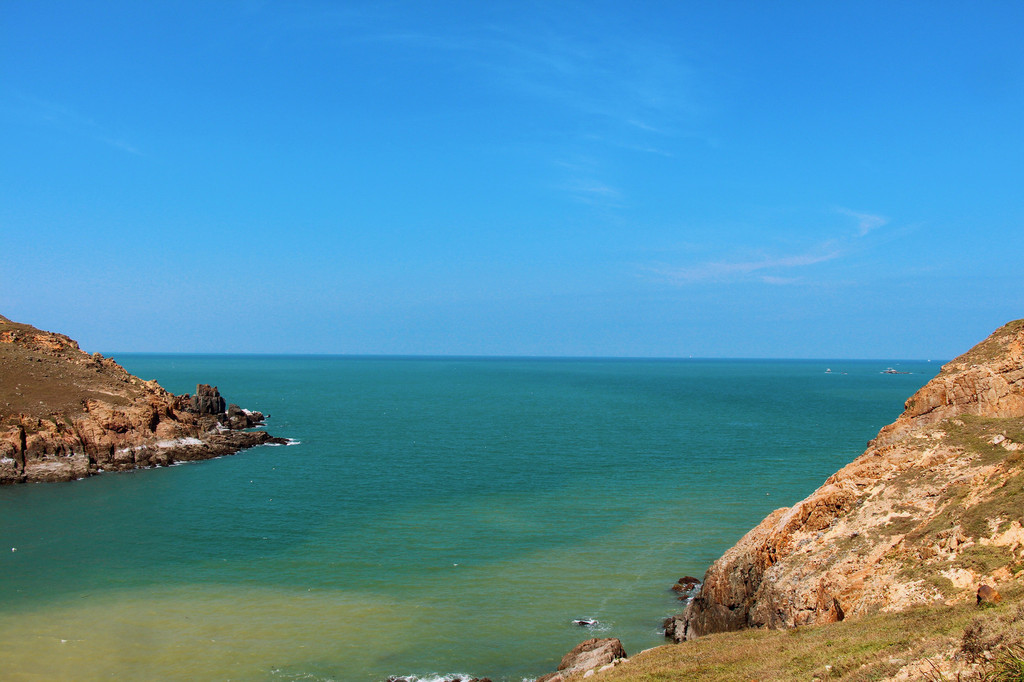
861,650
983,559
972,434
1008,667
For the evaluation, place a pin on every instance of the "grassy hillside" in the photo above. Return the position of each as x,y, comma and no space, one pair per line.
961,642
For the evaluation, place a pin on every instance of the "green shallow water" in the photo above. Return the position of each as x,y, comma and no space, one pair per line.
438,516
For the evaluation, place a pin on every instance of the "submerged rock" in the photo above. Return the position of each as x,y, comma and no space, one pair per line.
686,586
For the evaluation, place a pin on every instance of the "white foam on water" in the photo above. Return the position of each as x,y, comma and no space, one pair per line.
179,441
432,677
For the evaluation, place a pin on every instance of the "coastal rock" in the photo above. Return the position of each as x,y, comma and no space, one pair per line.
587,656
206,400
685,586
926,513
65,414
686,583
238,418
671,624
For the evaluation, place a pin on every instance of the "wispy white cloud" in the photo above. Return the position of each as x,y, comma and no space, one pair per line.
595,188
613,94
647,127
727,270
781,281
592,93
591,191
68,120
773,269
646,149
866,222
120,144
582,180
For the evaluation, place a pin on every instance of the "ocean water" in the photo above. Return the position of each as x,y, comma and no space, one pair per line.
437,516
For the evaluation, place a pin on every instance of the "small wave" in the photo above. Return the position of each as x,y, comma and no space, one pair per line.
182,462
430,677
297,676
592,624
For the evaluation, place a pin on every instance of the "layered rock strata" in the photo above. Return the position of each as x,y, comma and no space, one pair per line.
932,509
66,414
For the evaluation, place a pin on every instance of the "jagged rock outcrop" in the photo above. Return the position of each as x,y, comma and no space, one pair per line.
932,509
65,414
592,655
206,400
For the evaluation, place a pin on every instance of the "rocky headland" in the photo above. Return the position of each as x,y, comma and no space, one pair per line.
66,414
930,511
902,556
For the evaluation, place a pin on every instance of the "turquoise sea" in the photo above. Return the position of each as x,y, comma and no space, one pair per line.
437,516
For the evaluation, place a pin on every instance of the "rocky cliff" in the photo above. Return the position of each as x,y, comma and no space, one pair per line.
65,414
931,510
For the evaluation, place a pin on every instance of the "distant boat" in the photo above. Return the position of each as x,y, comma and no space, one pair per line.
890,370
585,622
828,371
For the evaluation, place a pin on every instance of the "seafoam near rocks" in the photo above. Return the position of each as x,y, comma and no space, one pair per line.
65,414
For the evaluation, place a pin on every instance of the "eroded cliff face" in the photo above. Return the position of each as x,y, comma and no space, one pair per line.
932,509
65,414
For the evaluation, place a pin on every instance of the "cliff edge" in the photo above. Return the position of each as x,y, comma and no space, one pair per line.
932,509
66,414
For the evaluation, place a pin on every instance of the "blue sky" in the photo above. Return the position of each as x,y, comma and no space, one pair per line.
723,179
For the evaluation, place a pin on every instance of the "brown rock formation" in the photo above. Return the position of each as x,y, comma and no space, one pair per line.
593,654
988,595
206,400
65,414
930,510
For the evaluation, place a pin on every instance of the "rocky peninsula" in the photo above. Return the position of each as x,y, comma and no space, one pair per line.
66,414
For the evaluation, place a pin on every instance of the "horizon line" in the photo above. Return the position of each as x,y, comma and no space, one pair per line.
469,356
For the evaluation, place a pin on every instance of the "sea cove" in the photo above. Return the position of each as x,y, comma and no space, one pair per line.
437,516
